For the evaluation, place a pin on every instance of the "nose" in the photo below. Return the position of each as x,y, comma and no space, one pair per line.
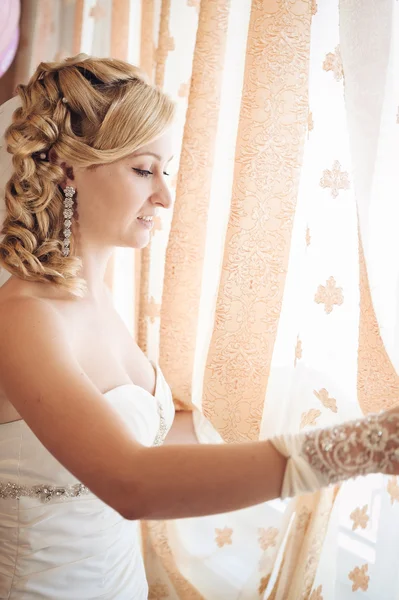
162,196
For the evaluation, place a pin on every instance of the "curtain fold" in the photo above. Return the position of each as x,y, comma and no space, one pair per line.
77,27
271,134
165,45
270,293
186,249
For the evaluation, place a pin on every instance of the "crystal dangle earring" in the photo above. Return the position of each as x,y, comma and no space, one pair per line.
68,212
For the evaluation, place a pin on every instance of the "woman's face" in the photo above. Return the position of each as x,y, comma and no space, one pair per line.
112,199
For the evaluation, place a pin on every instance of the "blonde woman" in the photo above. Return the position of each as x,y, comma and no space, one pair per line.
83,413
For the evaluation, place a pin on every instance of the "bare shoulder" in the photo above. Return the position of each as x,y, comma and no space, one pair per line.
27,317
31,335
22,317
15,288
21,306
43,380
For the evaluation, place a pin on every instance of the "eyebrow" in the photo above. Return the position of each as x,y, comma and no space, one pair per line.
151,154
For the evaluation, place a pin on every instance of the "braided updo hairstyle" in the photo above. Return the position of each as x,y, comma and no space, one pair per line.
88,111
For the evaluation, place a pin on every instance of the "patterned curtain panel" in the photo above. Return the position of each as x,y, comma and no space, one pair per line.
270,293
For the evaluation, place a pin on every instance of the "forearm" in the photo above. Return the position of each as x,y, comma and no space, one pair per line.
196,480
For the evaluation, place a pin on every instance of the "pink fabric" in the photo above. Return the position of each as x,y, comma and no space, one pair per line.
9,18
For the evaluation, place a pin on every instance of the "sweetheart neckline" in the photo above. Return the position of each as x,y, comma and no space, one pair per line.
123,385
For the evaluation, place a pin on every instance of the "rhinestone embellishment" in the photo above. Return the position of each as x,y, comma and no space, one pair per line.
44,493
354,448
68,212
163,428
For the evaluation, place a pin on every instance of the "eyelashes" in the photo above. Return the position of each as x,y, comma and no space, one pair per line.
145,173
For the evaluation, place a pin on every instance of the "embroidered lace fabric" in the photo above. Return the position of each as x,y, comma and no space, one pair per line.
322,457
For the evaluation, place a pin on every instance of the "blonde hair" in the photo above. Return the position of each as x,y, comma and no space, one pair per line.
90,111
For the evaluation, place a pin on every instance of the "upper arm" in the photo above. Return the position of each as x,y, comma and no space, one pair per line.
43,380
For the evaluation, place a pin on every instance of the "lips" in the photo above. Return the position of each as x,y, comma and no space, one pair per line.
147,222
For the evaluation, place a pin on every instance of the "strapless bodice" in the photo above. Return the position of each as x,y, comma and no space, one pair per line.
59,541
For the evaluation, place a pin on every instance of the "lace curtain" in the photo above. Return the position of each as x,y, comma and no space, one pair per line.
270,295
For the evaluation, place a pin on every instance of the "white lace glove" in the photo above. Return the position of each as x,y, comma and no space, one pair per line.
322,457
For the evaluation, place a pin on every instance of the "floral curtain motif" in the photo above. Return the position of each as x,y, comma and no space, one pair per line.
319,390
160,54
259,232
364,521
270,293
185,252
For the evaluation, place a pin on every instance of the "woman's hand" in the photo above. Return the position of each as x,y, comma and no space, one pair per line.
326,456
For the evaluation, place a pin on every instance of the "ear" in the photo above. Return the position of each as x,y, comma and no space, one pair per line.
68,170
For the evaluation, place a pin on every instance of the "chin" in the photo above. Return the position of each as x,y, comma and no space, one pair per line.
138,242
136,236
139,246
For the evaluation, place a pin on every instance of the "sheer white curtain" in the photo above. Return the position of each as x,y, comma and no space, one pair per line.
347,539
333,358
362,543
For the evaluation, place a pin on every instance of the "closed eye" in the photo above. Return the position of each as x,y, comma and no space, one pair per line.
145,173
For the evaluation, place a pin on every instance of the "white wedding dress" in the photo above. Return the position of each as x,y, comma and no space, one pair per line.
66,544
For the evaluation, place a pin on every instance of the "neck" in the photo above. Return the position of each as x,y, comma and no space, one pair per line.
94,265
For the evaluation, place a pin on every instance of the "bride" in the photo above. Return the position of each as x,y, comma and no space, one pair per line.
83,414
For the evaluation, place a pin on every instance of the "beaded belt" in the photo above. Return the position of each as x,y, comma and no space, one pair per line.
44,493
